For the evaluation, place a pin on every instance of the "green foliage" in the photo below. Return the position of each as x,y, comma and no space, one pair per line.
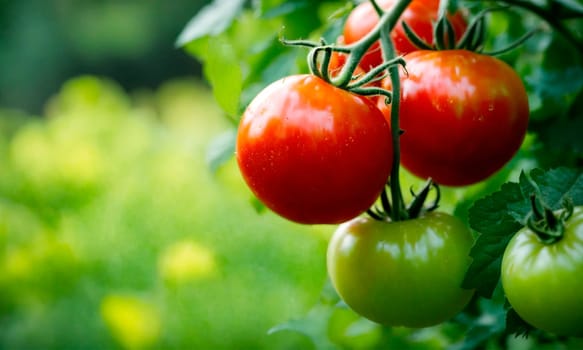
211,20
241,50
496,227
500,215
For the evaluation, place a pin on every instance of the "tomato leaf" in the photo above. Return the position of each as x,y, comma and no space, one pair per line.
562,137
556,185
285,8
223,71
314,326
480,329
558,84
212,20
496,224
500,215
520,210
221,149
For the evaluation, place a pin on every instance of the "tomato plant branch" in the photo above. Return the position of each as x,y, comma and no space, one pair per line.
326,62
387,22
398,211
376,74
550,18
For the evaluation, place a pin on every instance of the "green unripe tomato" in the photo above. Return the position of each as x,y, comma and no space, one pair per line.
544,282
407,273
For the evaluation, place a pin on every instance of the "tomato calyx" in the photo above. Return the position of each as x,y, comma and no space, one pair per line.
472,39
415,209
545,223
444,35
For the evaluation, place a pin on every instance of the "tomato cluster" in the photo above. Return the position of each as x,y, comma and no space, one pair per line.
315,153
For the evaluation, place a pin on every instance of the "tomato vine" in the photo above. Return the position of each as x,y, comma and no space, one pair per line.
494,206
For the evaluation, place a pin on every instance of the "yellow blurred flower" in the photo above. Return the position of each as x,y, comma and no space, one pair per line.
186,261
134,323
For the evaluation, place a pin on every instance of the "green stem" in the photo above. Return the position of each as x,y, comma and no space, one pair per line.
313,62
358,49
326,63
376,7
398,211
414,38
376,74
443,33
473,36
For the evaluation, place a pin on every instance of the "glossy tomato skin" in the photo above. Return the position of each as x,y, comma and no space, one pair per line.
406,273
419,15
314,153
464,115
544,283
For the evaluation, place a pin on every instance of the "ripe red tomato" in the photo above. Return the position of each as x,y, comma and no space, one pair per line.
404,273
419,15
464,115
314,153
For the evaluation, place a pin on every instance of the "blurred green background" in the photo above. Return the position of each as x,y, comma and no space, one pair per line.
45,42
114,231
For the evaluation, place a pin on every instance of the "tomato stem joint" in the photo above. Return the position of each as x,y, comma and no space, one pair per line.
546,224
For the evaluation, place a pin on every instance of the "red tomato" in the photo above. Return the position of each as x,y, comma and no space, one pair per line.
464,115
314,153
419,15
